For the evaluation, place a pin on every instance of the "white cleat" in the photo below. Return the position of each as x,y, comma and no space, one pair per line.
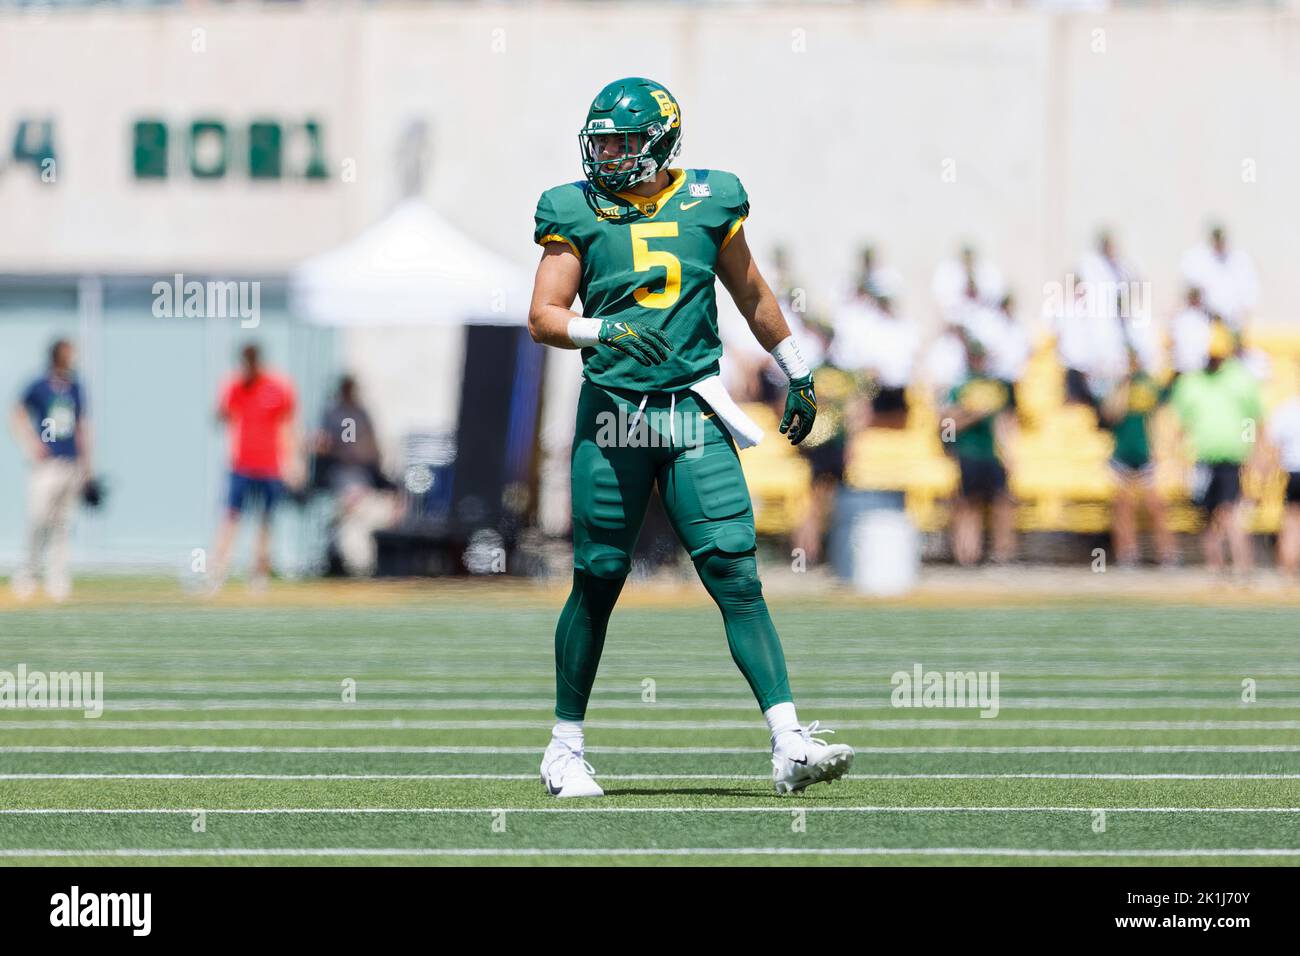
799,759
566,774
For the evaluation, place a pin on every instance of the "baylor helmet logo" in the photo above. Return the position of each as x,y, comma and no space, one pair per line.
667,107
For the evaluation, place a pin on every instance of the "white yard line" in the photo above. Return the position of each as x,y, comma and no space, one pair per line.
644,851
674,751
971,723
1227,700
643,776
823,690
784,808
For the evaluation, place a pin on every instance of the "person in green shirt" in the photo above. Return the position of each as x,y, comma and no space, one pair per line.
642,244
1220,411
976,424
1126,412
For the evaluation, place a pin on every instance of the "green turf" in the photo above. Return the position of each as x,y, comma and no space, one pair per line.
1133,710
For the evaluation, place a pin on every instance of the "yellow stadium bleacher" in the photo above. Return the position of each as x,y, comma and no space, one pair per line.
1061,477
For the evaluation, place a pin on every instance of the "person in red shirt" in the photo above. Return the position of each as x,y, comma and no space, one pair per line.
259,408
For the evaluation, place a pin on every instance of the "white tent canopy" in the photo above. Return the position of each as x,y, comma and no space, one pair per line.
410,268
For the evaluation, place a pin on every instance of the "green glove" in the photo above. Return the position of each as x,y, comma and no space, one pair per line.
800,409
647,345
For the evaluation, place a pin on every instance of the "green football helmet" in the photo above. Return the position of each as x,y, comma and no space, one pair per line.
649,121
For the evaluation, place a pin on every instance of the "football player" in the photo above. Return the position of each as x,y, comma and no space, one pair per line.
641,243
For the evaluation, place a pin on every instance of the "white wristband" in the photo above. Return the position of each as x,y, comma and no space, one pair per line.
584,333
787,356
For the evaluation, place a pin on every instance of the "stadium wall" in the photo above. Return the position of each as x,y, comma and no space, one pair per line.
1021,130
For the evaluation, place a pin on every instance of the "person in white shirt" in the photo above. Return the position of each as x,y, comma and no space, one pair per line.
965,282
868,276
1074,328
1189,334
1283,435
944,362
1104,269
891,361
1005,341
872,338
852,322
1230,287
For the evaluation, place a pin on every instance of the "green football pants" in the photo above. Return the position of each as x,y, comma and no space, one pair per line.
622,447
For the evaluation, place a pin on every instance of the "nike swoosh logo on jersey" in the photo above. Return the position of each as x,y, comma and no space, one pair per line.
688,205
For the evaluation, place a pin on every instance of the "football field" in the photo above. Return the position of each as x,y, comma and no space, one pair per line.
404,725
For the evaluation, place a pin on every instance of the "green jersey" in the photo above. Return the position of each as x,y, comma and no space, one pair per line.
1132,444
657,269
987,397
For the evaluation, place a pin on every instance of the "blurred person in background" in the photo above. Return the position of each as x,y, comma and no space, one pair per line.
49,422
1098,328
1073,329
1284,450
1189,334
259,408
1219,409
890,365
1225,276
1004,340
977,424
1103,266
872,277
874,341
964,282
1126,412
348,465
943,363
852,321
1123,323
866,267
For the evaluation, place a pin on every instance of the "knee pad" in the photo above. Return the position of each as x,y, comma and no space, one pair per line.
602,561
733,538
728,567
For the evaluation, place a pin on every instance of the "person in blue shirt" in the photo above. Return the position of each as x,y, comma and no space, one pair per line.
49,421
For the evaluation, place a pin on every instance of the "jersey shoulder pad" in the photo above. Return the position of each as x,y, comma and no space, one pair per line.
724,186
560,213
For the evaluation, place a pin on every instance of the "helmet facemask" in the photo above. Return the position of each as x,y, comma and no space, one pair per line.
629,165
632,166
